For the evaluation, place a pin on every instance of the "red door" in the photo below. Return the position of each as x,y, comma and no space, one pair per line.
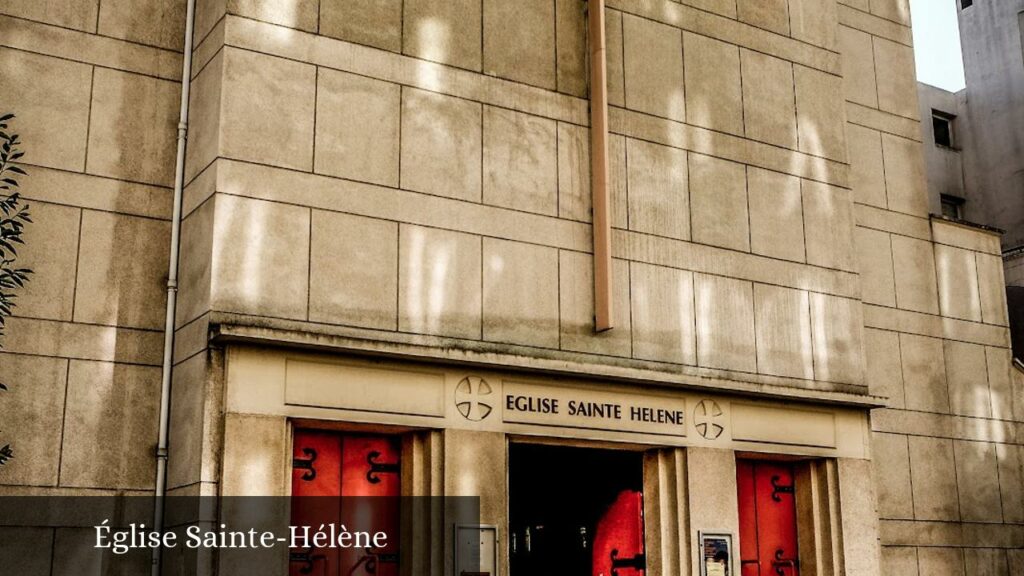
768,544
619,538
355,480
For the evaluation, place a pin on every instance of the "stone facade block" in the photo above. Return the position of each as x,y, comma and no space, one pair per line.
32,413
376,23
615,54
50,251
133,127
837,325
941,561
662,314
121,280
260,262
357,128
658,196
725,323
714,97
154,22
814,22
858,66
867,169
439,281
1010,460
966,378
897,79
572,68
890,455
262,94
874,263
957,273
519,41
204,117
51,99
783,320
914,264
1000,383
924,373
300,14
653,65
520,293
446,31
576,303
883,370
828,213
992,292
769,99
977,478
718,203
520,161
353,277
768,14
441,145
776,215
116,405
933,474
820,111
904,175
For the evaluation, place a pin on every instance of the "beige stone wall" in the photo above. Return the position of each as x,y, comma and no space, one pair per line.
412,178
947,452
426,183
95,88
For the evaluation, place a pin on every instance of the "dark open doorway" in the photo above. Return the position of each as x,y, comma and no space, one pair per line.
575,511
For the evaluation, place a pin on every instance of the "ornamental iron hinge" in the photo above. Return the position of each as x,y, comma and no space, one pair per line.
307,465
377,468
779,489
637,562
305,557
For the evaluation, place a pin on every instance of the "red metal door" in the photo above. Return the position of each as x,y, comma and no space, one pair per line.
619,538
768,530
356,480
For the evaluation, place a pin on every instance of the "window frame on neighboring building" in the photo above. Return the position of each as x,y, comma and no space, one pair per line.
938,116
956,205
965,4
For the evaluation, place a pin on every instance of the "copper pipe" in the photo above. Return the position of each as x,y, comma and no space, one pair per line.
599,169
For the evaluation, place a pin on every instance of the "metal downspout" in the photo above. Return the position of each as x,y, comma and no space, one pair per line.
602,228
172,285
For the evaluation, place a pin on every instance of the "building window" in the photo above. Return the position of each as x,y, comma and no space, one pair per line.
942,128
965,4
952,207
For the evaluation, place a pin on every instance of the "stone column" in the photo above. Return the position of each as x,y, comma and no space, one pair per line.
666,512
713,501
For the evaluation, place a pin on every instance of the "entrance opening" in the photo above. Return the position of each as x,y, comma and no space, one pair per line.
575,511
768,518
350,480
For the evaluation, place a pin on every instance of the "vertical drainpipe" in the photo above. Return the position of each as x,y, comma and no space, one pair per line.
599,169
172,286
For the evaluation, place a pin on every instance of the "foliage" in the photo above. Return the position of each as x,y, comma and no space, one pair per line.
14,216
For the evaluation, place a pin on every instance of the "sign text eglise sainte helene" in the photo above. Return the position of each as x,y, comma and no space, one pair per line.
524,403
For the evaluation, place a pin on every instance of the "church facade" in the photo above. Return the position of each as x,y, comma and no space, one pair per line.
388,282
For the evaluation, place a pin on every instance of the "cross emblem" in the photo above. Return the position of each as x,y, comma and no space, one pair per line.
706,417
471,398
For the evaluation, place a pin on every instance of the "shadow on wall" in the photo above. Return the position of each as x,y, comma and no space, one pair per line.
1015,306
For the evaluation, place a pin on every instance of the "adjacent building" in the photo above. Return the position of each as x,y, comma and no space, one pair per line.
974,143
387,276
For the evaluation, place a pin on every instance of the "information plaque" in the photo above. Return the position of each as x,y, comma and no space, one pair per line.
716,554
